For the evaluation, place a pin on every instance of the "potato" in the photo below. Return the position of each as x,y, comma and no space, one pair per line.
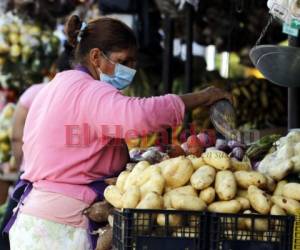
289,205
208,195
167,200
271,236
187,190
240,165
131,197
155,184
276,210
151,201
229,223
196,161
291,190
185,232
167,189
98,211
231,207
216,158
121,180
135,174
175,220
147,174
279,188
105,238
248,178
242,193
176,171
271,185
110,220
259,224
193,221
240,235
260,201
203,177
187,202
244,202
225,185
113,196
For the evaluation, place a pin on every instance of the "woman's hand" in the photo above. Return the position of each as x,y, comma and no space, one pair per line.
213,94
205,97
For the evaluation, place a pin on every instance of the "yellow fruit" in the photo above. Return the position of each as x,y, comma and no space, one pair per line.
15,50
4,29
5,147
13,28
26,51
14,38
24,39
3,135
8,111
9,132
34,31
4,48
2,61
12,162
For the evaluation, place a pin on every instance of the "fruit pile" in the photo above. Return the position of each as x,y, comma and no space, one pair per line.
26,48
5,133
258,104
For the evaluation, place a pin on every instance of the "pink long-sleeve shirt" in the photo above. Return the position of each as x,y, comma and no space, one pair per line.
26,100
72,130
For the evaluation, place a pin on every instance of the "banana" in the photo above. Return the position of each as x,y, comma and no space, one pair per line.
264,99
236,92
253,88
246,93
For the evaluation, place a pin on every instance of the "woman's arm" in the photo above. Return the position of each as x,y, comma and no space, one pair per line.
204,97
118,115
17,133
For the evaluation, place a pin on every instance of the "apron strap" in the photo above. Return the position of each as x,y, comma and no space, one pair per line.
21,191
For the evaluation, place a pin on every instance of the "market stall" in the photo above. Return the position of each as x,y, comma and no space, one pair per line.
228,178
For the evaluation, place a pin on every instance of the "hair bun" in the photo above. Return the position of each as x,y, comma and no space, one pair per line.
72,29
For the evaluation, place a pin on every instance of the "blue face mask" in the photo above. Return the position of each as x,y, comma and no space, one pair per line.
121,78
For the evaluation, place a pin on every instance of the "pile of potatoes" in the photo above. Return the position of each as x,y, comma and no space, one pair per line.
213,182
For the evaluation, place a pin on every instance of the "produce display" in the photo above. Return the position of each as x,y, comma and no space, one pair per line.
5,133
25,47
258,104
213,181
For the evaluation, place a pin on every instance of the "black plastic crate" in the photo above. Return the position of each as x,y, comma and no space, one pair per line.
137,229
250,232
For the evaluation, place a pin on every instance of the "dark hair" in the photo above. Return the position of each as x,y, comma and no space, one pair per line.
107,34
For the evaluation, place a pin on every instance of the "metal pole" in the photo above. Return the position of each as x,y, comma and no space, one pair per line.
168,54
167,76
188,78
294,95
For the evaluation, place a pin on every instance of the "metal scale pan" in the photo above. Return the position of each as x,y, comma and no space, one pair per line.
279,64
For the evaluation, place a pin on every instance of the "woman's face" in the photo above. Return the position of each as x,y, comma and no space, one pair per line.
106,62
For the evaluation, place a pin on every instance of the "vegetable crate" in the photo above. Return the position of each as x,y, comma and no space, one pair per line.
138,229
250,232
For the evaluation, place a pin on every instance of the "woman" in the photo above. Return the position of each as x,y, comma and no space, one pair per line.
74,134
18,123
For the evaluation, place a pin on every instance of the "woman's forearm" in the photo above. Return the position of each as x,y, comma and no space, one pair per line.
194,100
205,97
17,152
